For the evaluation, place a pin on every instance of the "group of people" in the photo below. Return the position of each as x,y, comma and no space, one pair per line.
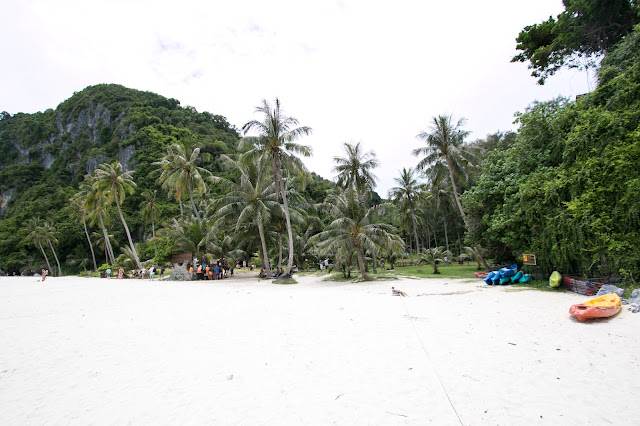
142,273
205,271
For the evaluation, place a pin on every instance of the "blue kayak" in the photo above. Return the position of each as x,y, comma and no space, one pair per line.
525,278
516,277
507,272
489,278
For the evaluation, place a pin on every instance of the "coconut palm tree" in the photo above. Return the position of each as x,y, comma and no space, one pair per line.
276,142
150,212
126,259
435,255
49,235
103,242
36,237
408,192
445,145
100,216
354,170
250,201
181,173
297,214
111,181
97,208
189,235
354,227
78,203
440,197
224,247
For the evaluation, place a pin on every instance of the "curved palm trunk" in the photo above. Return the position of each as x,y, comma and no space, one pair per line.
411,248
446,236
45,257
126,229
181,208
375,261
279,249
464,217
56,258
93,255
415,230
193,204
107,243
277,172
265,256
361,265
153,235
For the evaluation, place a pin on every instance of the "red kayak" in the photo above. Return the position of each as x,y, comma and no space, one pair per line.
600,307
480,274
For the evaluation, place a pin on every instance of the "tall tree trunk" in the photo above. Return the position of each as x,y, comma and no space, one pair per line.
56,258
411,249
193,204
446,235
265,255
153,235
361,264
464,217
181,208
126,229
279,184
279,249
107,242
415,229
45,257
93,255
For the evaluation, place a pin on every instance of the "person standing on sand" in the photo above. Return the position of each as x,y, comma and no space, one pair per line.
44,274
107,273
120,273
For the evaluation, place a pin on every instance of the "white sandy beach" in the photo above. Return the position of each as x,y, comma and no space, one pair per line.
241,351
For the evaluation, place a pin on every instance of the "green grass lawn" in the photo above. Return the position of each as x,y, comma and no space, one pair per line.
422,271
426,271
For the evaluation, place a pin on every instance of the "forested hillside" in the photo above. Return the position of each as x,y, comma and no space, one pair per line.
45,156
568,188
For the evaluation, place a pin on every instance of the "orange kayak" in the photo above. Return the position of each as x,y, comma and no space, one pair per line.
600,307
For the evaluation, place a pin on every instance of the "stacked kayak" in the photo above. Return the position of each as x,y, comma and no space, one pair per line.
507,275
600,307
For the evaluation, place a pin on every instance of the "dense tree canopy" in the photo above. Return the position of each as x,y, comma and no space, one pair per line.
567,187
576,37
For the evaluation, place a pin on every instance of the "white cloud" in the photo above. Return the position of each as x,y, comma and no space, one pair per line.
365,71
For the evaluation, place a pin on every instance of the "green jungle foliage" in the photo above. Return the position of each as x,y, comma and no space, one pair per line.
45,156
567,188
577,37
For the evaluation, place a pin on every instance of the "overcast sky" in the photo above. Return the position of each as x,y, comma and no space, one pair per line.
352,70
